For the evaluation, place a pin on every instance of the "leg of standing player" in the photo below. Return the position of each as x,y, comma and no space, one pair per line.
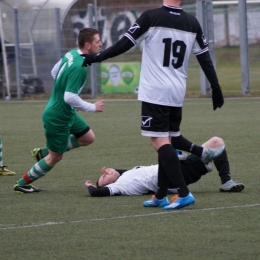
161,122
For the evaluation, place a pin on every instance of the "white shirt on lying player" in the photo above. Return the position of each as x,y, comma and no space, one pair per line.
137,181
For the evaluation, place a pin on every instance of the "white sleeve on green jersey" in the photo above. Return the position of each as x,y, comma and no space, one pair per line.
75,101
55,69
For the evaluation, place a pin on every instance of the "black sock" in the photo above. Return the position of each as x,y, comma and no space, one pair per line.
171,165
197,150
163,182
181,143
222,166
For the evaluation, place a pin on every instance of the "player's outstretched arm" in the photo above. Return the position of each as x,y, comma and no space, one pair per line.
122,46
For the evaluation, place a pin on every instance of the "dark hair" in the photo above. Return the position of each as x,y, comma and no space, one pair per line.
86,35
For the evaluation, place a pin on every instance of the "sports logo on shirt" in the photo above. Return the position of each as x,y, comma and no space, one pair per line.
204,39
146,121
134,28
174,13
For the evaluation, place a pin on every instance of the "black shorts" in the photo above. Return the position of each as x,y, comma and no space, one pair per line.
192,169
160,121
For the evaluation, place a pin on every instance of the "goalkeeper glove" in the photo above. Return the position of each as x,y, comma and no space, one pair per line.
217,99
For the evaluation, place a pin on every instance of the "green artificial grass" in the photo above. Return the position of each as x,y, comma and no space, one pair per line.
64,222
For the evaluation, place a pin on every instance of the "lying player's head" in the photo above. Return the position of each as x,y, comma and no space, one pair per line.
89,41
109,175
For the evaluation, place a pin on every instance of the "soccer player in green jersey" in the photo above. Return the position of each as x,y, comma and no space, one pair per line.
64,128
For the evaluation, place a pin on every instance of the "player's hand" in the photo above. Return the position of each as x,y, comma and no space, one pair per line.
88,59
217,99
89,183
99,106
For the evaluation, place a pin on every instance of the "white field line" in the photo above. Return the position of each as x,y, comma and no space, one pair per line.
14,226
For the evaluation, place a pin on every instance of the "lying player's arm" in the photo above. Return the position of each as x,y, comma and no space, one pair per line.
98,192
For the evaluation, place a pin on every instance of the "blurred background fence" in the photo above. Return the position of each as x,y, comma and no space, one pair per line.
35,35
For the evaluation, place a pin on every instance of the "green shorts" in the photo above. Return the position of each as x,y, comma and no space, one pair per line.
57,136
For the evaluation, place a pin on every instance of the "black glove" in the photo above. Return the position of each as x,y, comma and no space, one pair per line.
217,99
89,59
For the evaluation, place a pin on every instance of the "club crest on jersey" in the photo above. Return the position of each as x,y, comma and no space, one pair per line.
134,28
146,121
204,39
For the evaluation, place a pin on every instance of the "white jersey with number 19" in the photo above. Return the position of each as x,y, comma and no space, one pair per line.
170,35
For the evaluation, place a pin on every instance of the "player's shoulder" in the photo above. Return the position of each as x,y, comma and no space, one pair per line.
164,12
73,58
153,12
190,17
74,53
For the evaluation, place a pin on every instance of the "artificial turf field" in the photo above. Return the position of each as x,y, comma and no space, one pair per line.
64,222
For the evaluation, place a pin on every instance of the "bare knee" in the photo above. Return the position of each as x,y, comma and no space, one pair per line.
87,138
218,141
214,142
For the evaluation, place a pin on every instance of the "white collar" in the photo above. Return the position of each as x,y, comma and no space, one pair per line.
175,7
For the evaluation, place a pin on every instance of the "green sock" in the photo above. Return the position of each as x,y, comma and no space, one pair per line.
73,142
37,171
44,151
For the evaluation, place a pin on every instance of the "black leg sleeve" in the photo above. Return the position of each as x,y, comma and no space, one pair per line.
181,143
163,182
171,165
222,165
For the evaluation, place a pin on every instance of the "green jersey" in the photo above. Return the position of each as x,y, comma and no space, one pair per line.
71,77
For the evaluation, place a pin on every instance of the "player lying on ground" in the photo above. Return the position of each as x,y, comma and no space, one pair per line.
143,179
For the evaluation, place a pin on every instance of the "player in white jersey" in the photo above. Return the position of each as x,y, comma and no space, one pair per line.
64,128
144,179
169,35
